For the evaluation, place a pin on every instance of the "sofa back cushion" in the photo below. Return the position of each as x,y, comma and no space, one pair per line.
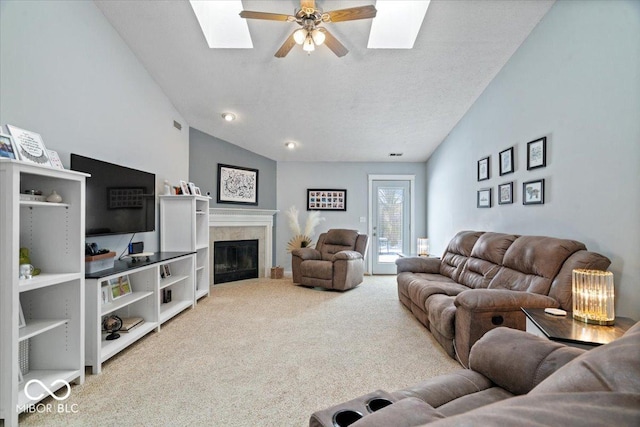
336,240
611,367
485,260
457,252
532,262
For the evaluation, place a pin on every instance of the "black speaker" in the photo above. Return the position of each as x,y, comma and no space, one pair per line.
136,247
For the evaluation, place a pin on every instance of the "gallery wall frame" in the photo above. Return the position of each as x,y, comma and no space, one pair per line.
537,153
506,161
326,199
484,198
533,192
505,193
237,185
484,168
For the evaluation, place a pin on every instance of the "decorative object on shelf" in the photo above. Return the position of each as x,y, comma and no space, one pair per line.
129,323
533,192
184,187
505,193
166,296
165,271
105,294
423,246
54,197
484,168
167,188
24,258
326,200
237,185
484,198
21,320
506,161
29,145
26,271
302,239
192,188
593,296
55,159
120,286
112,324
32,196
197,191
7,147
537,153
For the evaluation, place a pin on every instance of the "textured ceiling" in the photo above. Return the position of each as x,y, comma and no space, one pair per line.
357,108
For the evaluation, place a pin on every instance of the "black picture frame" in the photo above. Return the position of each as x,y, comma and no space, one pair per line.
505,193
484,198
484,168
533,192
237,185
506,159
537,153
319,199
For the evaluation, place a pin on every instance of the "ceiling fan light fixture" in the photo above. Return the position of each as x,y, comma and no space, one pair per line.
317,36
300,35
229,117
308,45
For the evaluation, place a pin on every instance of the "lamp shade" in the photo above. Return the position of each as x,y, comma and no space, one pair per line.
300,35
308,45
593,296
423,246
318,37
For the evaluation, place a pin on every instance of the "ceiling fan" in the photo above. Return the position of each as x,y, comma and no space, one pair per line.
312,34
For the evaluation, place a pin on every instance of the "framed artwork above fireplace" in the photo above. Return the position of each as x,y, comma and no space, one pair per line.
237,185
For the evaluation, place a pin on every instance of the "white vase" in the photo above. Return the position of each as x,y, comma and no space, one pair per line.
54,197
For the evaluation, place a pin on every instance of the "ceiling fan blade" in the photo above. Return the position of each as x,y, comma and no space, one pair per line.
264,15
351,14
333,44
288,44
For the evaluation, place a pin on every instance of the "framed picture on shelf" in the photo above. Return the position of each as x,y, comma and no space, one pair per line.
237,185
483,169
21,320
533,192
484,198
165,271
7,147
537,153
120,286
105,292
192,188
198,192
326,200
55,159
506,161
505,193
184,187
29,146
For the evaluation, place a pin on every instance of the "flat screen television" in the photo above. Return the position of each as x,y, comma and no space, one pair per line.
119,200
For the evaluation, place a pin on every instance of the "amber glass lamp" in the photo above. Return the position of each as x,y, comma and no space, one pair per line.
423,246
593,296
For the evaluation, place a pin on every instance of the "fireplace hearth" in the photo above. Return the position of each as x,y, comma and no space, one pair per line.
235,260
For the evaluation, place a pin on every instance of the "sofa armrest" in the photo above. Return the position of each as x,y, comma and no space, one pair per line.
418,265
409,412
347,255
306,253
518,361
496,300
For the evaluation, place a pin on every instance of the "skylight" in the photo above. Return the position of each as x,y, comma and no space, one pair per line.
221,23
397,23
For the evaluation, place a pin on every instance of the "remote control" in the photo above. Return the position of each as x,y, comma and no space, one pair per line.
555,311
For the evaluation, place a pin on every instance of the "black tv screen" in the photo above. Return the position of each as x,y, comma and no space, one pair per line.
119,199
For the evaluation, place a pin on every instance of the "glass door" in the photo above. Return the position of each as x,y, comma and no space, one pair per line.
391,223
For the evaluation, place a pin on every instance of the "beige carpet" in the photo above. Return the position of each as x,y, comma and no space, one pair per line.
259,353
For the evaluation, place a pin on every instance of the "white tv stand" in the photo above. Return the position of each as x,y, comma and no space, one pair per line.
144,301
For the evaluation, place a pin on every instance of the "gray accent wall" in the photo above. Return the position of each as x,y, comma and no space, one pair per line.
205,154
66,74
294,178
575,80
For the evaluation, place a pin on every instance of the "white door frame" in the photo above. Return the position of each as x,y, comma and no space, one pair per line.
412,237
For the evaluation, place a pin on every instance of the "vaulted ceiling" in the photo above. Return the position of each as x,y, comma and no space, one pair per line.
361,107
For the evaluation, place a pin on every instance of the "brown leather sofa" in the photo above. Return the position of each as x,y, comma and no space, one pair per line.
482,281
514,379
337,262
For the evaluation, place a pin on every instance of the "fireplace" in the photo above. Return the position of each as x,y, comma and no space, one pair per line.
235,260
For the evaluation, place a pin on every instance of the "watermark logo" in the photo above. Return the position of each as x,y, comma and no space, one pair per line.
33,390
47,389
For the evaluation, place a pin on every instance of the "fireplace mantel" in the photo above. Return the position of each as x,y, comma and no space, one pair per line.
239,217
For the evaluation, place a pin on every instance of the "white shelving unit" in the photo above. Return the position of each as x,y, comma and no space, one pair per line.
184,226
50,347
144,301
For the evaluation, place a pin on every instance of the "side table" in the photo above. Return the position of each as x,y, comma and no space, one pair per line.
567,330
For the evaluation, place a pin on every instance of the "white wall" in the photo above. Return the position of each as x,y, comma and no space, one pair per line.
66,74
576,79
294,178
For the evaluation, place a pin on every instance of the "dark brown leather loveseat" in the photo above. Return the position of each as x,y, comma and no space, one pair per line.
482,281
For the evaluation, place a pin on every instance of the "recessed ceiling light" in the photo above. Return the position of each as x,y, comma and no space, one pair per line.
397,23
290,145
229,116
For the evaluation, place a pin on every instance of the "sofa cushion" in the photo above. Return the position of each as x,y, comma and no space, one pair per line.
457,252
531,263
337,240
611,367
473,401
317,269
485,260
442,314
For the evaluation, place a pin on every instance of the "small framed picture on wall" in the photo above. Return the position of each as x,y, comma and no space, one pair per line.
484,198
505,193
483,169
506,161
533,192
537,153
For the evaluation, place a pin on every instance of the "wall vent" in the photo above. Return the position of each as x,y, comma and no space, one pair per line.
177,125
395,154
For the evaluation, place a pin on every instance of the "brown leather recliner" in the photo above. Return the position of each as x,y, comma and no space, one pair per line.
337,262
